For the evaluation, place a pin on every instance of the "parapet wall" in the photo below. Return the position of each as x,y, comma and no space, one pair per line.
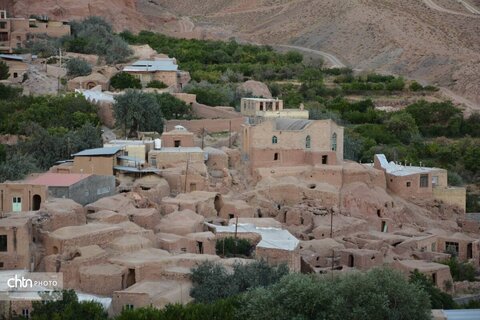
210,125
453,196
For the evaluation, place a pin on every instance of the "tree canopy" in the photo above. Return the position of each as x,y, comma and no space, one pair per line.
138,111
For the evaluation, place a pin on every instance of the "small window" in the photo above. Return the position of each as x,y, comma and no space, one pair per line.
409,184
274,140
129,307
324,159
3,24
452,248
1,265
424,181
275,156
15,75
3,243
308,142
177,143
26,313
334,142
434,181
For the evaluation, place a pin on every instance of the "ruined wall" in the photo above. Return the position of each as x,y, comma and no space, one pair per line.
452,196
278,256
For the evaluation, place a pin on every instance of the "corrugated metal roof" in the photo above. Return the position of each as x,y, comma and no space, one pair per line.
399,170
462,314
11,57
152,65
134,169
286,124
108,151
51,179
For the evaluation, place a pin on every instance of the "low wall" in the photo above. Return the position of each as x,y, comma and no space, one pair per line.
210,125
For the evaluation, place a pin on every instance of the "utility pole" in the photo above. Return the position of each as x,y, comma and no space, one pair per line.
235,240
230,134
186,171
203,136
58,77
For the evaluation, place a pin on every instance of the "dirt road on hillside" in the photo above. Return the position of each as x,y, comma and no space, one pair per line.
431,4
331,59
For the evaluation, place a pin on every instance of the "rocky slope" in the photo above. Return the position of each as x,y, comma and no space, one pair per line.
415,38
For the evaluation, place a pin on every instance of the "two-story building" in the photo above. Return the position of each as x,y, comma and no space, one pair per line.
293,142
259,108
15,31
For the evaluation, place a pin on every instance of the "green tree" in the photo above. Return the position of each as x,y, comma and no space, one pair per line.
376,295
78,67
68,308
211,281
438,298
16,166
123,80
4,71
230,247
402,125
138,111
173,108
156,84
461,271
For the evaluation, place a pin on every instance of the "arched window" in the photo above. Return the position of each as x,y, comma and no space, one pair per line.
334,142
308,142
274,140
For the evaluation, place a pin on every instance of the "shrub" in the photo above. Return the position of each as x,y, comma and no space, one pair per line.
211,281
156,84
4,70
461,271
415,86
78,67
123,80
212,94
230,247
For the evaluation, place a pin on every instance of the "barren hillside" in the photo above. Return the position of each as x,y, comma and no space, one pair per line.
433,40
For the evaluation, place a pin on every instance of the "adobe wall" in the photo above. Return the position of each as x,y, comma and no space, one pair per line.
287,157
87,190
452,196
169,138
18,252
102,279
207,112
23,190
463,246
55,244
278,256
361,260
121,299
210,125
165,159
95,165
176,181
188,98
320,132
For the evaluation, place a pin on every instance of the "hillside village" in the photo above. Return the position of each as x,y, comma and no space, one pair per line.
126,222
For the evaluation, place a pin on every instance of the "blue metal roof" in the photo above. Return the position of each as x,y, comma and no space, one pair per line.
11,57
462,314
134,169
108,151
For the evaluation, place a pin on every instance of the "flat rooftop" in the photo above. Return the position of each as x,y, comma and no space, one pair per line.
399,170
179,150
107,151
272,238
422,266
51,179
73,232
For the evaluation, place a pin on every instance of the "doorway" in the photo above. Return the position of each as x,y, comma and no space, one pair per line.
36,202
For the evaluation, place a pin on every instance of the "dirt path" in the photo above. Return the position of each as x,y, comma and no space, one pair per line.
331,59
470,106
434,6
186,25
469,7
